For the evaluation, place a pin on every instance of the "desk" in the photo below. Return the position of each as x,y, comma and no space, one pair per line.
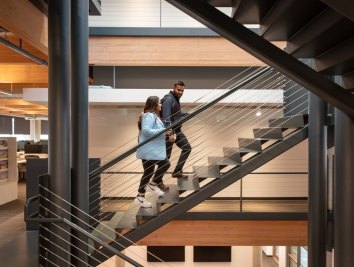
21,158
21,163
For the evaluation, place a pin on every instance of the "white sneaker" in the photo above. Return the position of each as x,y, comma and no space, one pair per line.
155,189
141,201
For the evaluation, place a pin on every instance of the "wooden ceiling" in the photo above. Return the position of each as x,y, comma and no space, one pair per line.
25,27
17,72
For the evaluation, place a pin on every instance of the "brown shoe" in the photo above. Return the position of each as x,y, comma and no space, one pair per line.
179,175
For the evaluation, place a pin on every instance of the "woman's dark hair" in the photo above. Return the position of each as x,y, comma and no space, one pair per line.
150,106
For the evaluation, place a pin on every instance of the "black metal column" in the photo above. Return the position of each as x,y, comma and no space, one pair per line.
79,124
317,214
59,126
344,190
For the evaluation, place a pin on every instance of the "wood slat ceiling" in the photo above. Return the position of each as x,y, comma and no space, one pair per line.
17,72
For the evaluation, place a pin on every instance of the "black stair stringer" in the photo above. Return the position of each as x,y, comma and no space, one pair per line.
265,51
206,191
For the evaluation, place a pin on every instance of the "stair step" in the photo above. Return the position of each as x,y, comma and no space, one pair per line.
105,230
250,143
207,171
147,213
171,196
233,153
288,122
188,184
223,161
128,220
237,152
268,133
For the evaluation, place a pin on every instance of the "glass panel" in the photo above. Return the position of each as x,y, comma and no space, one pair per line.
303,257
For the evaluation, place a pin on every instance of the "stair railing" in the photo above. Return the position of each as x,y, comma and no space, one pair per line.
178,122
132,187
49,202
264,82
204,106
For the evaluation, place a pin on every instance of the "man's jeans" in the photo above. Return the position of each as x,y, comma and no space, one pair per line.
183,144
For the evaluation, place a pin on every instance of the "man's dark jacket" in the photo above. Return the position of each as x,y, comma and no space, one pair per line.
171,110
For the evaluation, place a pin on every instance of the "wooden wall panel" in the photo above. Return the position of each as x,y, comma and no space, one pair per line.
229,233
167,51
23,74
26,21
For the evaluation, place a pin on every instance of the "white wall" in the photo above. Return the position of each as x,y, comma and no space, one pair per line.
143,13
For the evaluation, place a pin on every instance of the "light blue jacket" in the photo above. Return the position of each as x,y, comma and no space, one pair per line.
156,148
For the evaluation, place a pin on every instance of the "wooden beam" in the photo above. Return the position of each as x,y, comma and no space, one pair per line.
23,74
229,233
25,21
9,56
168,51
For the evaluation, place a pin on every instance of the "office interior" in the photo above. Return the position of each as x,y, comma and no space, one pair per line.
280,213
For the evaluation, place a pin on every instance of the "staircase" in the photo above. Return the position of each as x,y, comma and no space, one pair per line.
237,162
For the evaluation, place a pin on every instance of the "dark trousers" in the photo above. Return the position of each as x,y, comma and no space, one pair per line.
149,168
183,144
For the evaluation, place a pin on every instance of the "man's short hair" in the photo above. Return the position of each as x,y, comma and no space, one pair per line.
180,83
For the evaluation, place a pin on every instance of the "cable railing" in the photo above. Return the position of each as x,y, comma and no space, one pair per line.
130,160
233,117
54,223
110,158
193,136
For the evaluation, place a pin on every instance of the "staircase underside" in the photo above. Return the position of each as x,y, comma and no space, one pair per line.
311,29
212,233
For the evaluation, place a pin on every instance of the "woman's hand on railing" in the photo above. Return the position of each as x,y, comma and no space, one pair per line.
171,136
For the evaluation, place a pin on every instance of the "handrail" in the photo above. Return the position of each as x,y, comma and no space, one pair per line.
28,201
77,228
177,123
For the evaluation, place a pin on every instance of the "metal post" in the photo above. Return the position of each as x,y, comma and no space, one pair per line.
79,124
59,126
344,190
317,214
43,234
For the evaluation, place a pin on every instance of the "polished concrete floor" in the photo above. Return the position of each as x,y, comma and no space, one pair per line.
18,249
11,217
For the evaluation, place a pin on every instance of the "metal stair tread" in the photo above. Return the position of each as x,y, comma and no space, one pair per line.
105,230
171,195
188,184
297,121
270,133
128,221
149,212
207,171
252,144
219,160
240,150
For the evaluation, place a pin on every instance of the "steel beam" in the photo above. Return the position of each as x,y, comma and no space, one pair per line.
268,53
